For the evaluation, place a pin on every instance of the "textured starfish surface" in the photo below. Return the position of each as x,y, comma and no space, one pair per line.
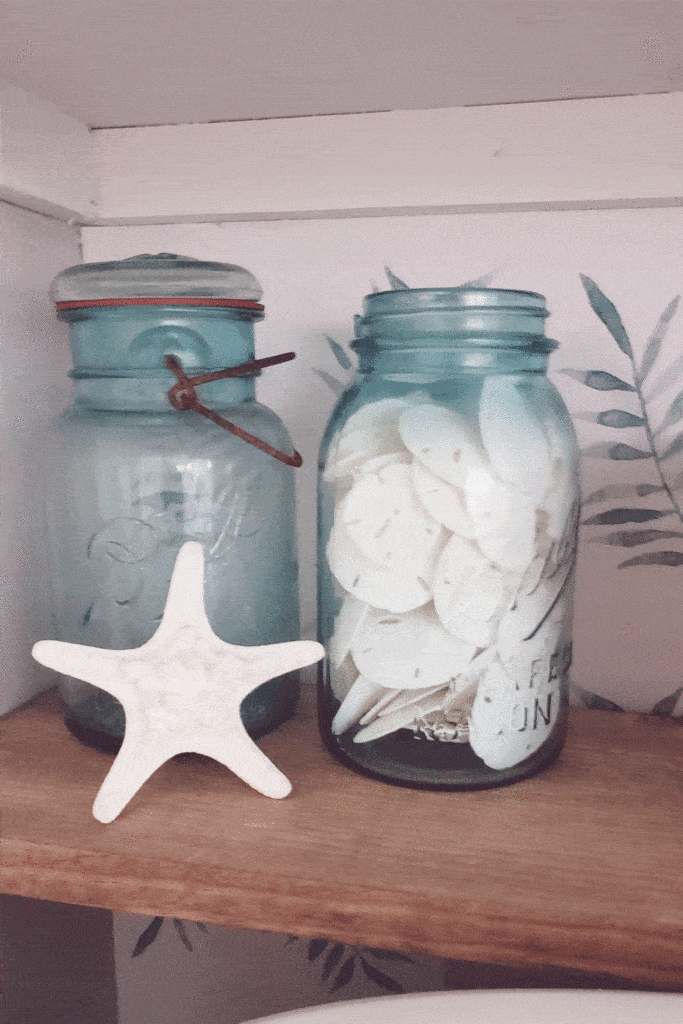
181,691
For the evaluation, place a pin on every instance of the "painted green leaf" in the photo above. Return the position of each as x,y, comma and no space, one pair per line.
670,558
390,954
673,413
607,312
665,707
617,452
654,342
667,379
674,448
617,516
332,959
180,928
380,978
624,452
395,282
480,282
315,948
619,418
612,491
333,384
148,936
595,702
598,380
632,538
339,353
345,974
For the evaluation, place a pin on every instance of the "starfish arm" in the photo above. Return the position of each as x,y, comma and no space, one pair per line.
241,755
93,664
134,764
185,600
275,659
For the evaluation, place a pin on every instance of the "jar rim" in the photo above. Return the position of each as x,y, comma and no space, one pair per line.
422,299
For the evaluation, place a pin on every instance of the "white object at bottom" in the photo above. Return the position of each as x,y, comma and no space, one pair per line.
518,1006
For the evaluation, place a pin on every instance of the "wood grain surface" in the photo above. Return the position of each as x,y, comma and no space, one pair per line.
581,867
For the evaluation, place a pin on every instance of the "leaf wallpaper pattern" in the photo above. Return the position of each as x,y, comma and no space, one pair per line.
339,963
662,439
658,443
347,959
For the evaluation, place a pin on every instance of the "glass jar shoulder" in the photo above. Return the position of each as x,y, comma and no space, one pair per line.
504,417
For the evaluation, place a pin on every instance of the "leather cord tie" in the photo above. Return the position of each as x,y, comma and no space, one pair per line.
183,396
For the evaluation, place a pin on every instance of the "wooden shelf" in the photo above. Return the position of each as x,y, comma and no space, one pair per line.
581,867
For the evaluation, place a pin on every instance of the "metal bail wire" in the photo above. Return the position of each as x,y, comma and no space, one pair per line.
183,397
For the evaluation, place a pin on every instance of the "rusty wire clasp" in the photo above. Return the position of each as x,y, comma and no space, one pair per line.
183,397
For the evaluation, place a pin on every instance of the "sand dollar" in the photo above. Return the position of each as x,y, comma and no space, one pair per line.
443,501
360,698
504,521
384,517
343,676
370,432
380,462
559,499
508,724
470,593
346,623
402,719
513,437
525,660
442,440
529,611
410,651
374,584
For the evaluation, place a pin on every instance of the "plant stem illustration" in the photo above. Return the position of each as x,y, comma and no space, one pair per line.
344,959
659,445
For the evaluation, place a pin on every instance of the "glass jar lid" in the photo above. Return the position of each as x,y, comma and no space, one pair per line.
156,279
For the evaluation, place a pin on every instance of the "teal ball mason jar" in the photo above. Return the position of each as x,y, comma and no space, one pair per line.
134,478
448,513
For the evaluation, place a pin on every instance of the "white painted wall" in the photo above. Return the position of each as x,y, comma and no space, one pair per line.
614,150
35,358
45,157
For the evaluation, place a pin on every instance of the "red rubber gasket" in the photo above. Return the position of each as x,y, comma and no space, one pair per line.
171,300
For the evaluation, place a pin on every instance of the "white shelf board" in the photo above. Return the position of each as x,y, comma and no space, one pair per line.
619,151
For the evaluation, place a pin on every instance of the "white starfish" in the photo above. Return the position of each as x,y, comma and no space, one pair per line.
181,691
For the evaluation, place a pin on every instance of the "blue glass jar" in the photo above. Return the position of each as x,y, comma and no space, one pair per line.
448,512
134,478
